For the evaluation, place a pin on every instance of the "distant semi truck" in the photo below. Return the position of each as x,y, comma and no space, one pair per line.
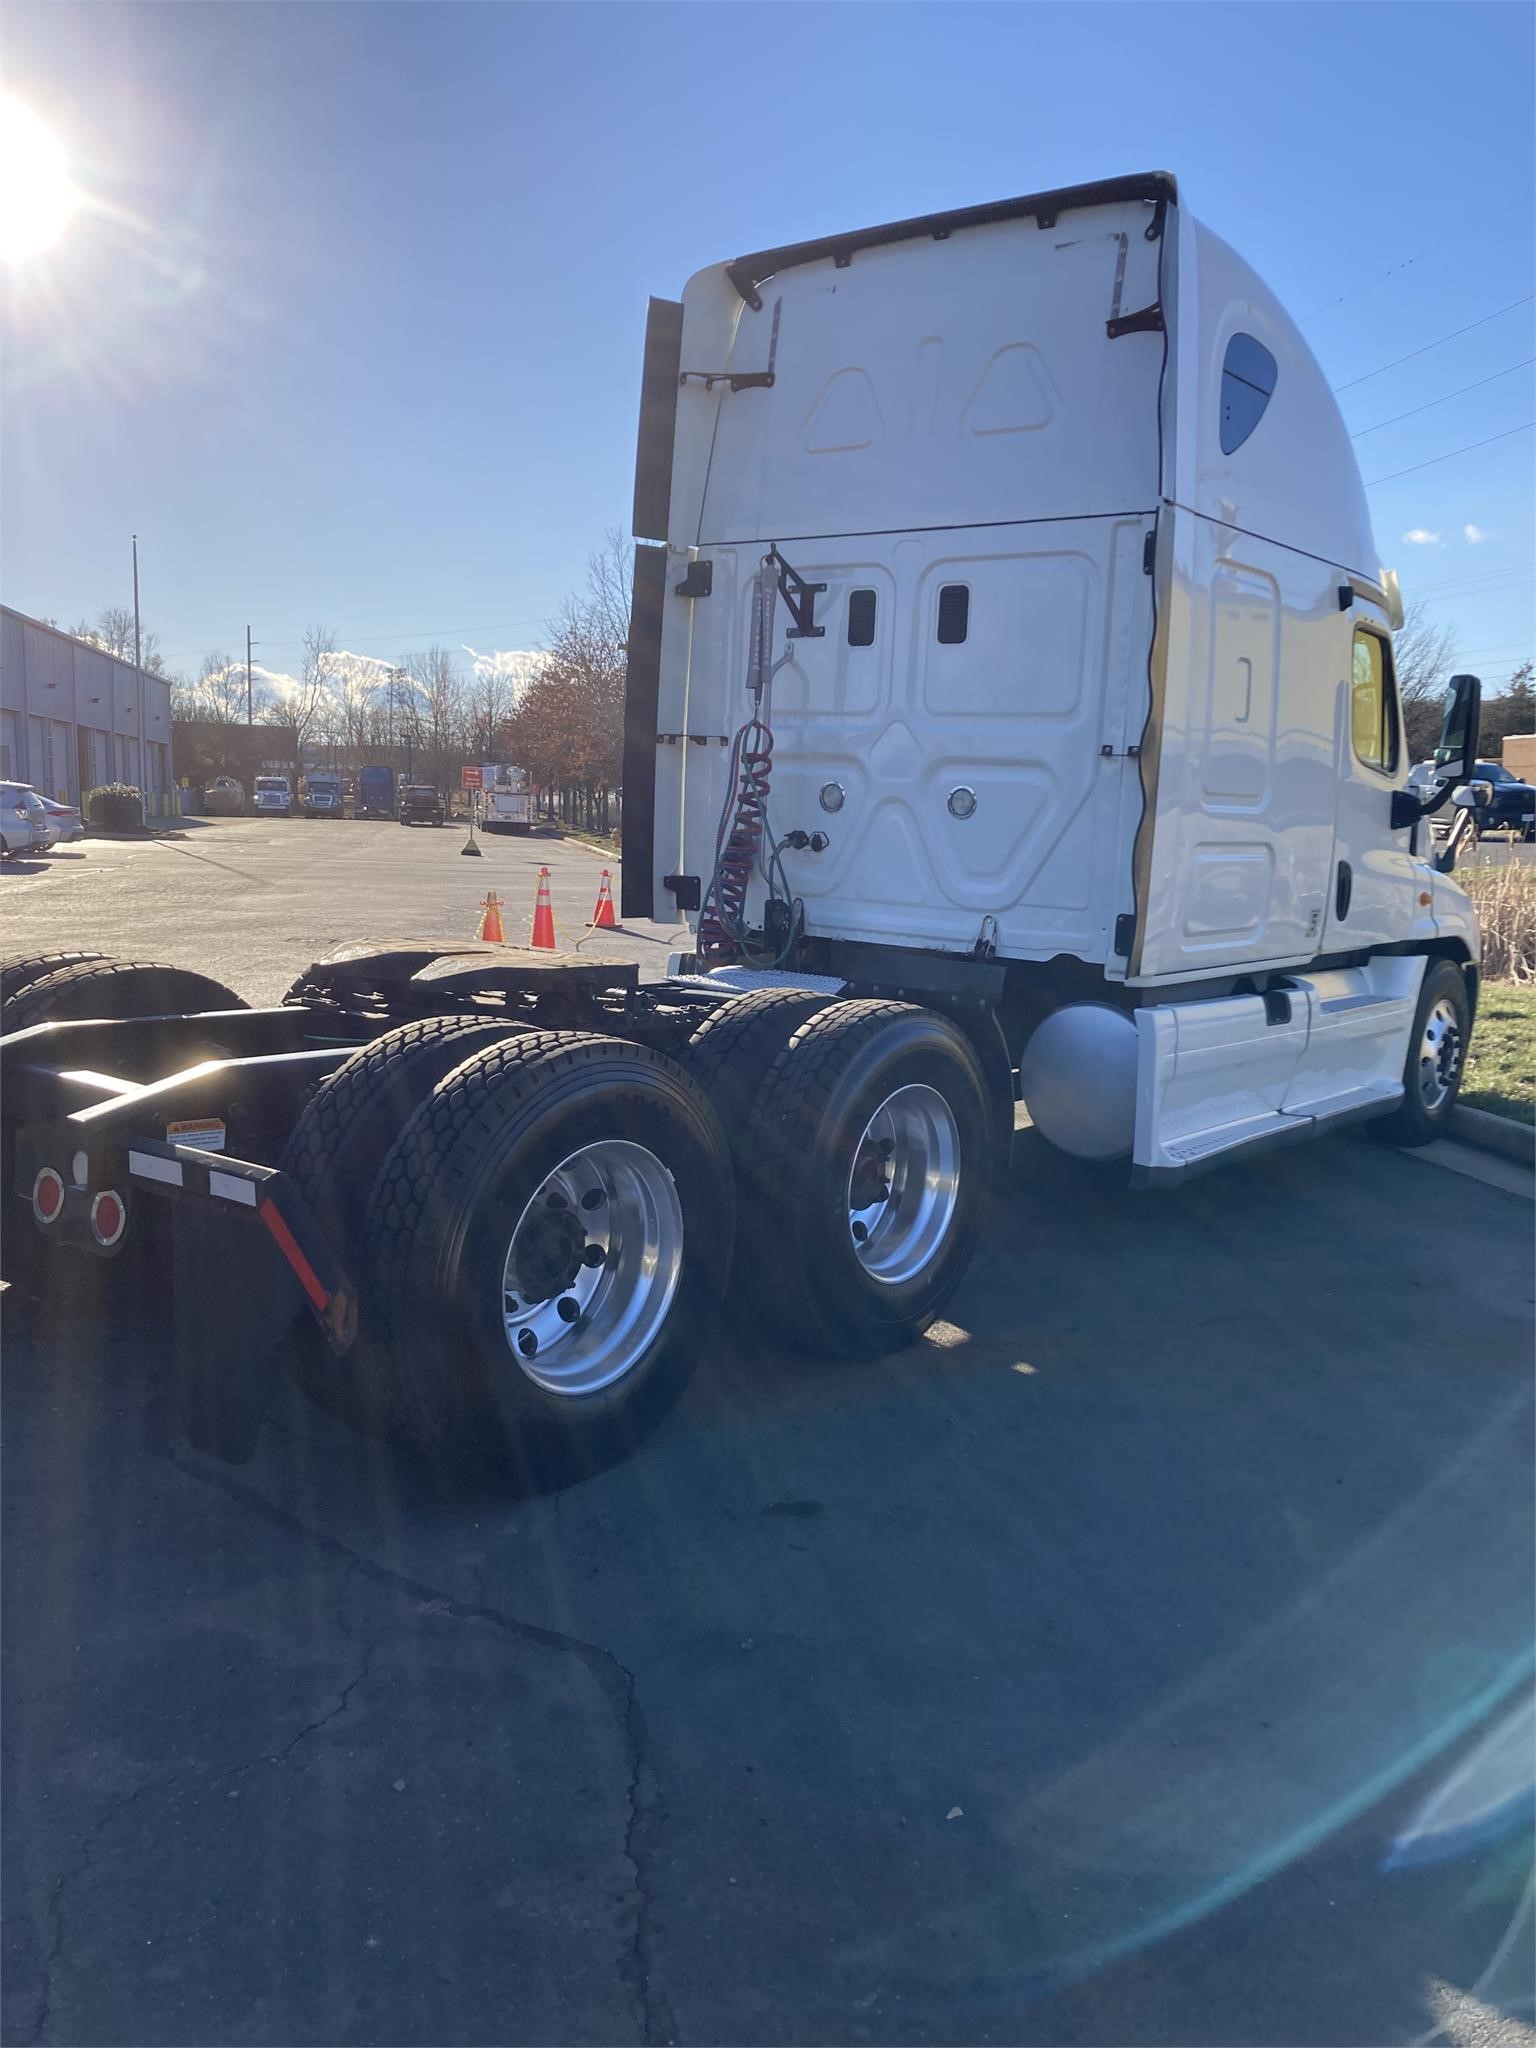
508,799
322,794
376,792
274,796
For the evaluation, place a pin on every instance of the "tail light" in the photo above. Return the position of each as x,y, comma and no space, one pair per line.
47,1196
109,1217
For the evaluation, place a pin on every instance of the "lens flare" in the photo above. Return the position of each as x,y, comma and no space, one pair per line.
37,194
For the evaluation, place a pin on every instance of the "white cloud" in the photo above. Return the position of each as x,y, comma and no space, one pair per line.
1421,537
515,665
359,668
1475,534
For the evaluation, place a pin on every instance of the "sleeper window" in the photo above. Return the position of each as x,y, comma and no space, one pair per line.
1372,712
954,613
861,618
1247,380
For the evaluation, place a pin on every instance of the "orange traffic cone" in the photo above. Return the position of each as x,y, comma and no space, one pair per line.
490,919
603,915
543,915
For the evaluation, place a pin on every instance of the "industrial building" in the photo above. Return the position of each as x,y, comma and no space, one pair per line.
73,717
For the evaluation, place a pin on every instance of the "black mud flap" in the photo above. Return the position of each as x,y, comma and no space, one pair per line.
235,1299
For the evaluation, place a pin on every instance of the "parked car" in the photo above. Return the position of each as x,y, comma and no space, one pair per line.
224,797
420,804
1514,802
274,796
67,820
1513,808
25,826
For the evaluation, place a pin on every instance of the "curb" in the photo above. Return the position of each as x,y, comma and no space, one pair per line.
1500,1134
589,845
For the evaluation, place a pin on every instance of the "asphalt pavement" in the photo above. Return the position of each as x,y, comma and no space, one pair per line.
1094,1671
251,901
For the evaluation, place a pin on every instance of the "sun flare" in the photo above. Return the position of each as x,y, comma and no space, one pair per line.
37,194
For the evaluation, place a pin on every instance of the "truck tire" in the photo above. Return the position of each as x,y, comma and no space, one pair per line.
333,1156
20,970
871,1152
731,1051
549,1241
115,988
1437,1057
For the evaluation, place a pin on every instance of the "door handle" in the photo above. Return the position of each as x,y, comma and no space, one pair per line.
1344,888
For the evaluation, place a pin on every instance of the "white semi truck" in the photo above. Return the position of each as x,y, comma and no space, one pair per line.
1011,715
506,799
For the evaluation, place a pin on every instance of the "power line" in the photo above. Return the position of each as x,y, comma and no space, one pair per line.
1465,582
1443,400
1465,449
1391,270
1424,351
1453,593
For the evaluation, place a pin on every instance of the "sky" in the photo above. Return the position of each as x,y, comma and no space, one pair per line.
349,328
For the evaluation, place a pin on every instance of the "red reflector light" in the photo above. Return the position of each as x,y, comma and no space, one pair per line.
108,1217
47,1195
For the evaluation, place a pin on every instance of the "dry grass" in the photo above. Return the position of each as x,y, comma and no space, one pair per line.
1505,898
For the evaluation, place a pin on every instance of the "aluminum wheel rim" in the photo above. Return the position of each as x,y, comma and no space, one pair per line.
1439,1054
592,1268
904,1185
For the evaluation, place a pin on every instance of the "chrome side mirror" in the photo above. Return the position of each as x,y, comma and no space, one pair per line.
1472,796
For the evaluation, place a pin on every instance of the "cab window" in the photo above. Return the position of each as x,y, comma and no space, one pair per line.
1373,711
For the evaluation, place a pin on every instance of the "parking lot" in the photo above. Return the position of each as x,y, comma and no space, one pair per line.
1069,1677
252,900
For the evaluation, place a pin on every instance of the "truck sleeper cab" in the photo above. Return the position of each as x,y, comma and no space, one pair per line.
1090,671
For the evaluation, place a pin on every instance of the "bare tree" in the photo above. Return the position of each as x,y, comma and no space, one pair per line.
1423,655
305,708
113,633
357,693
217,696
488,706
568,729
436,701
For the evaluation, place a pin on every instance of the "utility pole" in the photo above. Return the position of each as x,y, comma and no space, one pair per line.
249,719
136,604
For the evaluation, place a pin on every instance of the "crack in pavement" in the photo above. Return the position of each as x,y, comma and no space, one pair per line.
54,1912
655,2025
312,1728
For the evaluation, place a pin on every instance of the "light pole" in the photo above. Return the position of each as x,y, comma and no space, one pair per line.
138,669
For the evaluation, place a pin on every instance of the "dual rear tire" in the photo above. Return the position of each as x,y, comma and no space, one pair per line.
861,1137
543,1223
542,1226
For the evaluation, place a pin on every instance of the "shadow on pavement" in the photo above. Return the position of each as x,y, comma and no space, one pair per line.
1068,1677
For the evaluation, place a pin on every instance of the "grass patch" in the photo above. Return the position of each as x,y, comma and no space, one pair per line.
1501,1061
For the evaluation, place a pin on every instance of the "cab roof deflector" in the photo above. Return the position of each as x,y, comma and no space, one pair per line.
748,272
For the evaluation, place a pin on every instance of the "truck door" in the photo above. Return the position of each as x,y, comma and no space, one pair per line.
1371,888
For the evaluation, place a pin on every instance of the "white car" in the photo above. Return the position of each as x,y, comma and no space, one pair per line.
25,826
67,821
